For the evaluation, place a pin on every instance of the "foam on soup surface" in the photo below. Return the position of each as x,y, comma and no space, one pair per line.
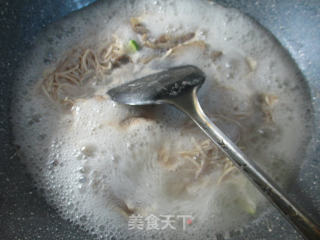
121,171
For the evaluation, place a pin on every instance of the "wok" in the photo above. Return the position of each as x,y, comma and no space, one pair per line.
24,213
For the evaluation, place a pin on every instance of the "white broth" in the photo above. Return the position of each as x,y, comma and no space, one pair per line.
102,164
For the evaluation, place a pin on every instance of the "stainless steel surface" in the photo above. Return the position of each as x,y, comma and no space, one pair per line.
178,86
159,87
24,214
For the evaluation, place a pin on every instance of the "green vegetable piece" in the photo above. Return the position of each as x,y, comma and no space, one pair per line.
248,205
133,46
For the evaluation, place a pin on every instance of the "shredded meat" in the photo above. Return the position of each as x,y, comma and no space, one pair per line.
138,27
166,41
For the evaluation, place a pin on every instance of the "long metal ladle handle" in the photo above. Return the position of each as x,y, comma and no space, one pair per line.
189,104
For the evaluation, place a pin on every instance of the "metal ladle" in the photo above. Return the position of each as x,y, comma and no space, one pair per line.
178,86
